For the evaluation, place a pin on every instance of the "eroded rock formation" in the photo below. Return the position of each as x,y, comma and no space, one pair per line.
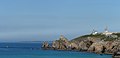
90,43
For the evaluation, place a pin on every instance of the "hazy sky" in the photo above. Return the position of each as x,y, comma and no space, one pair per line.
37,20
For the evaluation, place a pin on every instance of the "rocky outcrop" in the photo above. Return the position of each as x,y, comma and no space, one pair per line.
112,47
82,46
116,54
97,47
61,44
45,45
90,43
73,46
104,47
85,44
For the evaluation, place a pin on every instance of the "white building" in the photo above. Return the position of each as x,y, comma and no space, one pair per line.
94,32
106,32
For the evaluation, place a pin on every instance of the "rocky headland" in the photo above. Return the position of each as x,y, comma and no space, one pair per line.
97,43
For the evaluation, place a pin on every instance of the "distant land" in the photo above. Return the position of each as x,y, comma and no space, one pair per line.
35,41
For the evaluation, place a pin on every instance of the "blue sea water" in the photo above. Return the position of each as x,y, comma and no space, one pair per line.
33,50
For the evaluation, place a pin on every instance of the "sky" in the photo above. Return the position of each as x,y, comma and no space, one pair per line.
46,20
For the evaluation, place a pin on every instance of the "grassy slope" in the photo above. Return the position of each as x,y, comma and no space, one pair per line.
101,36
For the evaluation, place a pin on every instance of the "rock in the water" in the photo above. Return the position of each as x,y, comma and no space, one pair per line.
45,45
116,54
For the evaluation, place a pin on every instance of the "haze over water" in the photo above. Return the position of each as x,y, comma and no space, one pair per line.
39,20
26,22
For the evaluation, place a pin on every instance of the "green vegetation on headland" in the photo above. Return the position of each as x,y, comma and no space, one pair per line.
111,37
90,35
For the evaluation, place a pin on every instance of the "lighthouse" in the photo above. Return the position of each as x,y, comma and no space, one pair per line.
106,32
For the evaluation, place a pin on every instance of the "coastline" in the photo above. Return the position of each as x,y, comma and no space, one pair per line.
98,43
75,51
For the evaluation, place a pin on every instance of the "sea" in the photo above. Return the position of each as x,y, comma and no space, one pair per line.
33,50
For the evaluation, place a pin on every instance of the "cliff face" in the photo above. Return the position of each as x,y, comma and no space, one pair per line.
91,43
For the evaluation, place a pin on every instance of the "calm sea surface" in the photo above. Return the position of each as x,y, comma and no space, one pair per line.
33,50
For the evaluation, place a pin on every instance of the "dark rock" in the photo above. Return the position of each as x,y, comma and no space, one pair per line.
116,54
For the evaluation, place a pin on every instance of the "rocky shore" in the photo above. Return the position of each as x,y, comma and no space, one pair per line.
98,43
116,55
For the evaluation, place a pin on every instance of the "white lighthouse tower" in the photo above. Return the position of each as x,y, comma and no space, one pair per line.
106,29
106,32
94,32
